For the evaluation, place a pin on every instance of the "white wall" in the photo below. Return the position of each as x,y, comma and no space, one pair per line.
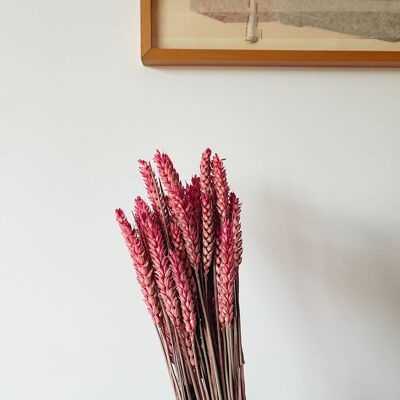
313,154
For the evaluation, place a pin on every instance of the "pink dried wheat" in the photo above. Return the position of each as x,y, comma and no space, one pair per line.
144,272
183,213
167,171
163,273
227,275
235,209
176,239
179,248
188,227
184,292
153,191
205,172
207,207
220,186
208,234
193,195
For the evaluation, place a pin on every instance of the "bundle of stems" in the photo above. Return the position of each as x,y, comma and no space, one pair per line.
186,247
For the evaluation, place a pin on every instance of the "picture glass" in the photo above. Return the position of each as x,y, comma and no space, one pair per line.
353,25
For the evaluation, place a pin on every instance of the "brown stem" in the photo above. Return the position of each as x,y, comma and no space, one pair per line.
207,367
209,339
199,366
219,343
180,362
196,381
242,383
226,367
239,385
168,325
239,327
168,362
230,358
160,205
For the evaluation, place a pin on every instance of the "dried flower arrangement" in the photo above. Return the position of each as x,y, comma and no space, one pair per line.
186,248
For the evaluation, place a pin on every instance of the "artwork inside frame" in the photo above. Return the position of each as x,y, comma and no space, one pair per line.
271,32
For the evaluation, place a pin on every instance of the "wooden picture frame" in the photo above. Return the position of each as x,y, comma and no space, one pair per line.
152,55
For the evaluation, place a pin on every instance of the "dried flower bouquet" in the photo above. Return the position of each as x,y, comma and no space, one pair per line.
186,247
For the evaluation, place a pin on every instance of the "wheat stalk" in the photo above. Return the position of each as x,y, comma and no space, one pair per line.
186,235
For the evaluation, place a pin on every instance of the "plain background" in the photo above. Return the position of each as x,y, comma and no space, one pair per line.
313,154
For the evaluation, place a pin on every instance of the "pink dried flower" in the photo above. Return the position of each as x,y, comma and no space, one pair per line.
218,273
176,239
205,172
144,272
141,208
168,339
207,206
183,214
186,228
125,226
227,275
207,231
167,171
235,209
184,292
193,195
220,186
179,248
163,273
189,340
153,191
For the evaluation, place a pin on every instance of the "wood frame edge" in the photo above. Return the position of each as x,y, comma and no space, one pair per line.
265,58
146,26
153,56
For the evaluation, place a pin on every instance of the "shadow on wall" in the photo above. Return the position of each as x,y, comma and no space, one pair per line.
343,257
343,281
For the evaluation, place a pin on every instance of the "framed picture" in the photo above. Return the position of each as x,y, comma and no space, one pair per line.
321,33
